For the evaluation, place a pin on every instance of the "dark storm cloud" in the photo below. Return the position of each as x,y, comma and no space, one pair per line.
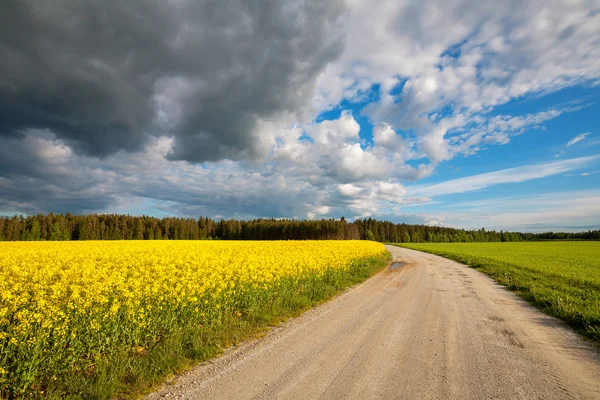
40,197
105,75
39,175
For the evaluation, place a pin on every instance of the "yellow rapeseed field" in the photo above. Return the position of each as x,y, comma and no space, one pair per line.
67,306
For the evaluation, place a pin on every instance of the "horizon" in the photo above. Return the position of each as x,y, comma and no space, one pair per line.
455,114
577,230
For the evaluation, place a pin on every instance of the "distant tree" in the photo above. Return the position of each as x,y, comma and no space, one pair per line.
36,232
415,237
139,230
405,237
119,227
55,232
149,234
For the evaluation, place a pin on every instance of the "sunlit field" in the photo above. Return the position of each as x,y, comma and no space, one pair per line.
100,319
561,278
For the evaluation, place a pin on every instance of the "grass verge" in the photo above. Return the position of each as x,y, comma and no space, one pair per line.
131,374
548,284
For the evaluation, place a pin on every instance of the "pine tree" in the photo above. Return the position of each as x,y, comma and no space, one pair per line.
55,232
139,230
36,232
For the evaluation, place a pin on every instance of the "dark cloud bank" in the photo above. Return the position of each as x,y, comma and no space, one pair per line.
104,76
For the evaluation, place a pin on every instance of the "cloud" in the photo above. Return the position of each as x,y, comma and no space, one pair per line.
349,190
510,175
209,73
571,142
210,107
107,76
80,184
554,211
335,153
492,55
468,135
40,172
577,138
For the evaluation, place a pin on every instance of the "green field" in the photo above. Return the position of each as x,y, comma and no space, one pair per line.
560,278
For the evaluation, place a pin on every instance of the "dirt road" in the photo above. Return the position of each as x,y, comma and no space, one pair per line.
432,329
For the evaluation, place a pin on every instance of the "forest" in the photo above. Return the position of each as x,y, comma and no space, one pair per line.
127,227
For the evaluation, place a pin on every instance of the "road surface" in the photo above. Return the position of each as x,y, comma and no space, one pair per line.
431,329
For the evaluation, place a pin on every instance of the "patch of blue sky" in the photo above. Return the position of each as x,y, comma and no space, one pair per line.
145,206
442,113
454,51
574,96
210,166
366,130
536,144
305,138
355,107
11,214
494,197
353,104
398,88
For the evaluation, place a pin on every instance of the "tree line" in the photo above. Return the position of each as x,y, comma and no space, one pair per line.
127,227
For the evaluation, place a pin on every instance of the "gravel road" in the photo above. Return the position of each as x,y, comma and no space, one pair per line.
431,329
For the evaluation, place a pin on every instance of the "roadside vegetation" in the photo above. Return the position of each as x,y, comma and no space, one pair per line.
111,319
560,278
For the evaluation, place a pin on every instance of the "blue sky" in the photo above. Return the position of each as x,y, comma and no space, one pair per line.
460,113
572,135
543,144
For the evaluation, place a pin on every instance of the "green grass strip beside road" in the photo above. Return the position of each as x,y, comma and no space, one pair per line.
560,278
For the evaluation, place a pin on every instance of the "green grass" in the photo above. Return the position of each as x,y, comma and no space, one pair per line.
128,377
560,278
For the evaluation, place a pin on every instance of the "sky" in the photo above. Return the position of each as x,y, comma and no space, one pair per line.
463,113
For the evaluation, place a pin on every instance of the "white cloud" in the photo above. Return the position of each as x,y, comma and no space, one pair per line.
589,173
577,138
335,153
510,175
336,132
496,55
557,211
318,211
349,190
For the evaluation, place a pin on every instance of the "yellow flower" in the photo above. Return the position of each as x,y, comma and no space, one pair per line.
74,300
